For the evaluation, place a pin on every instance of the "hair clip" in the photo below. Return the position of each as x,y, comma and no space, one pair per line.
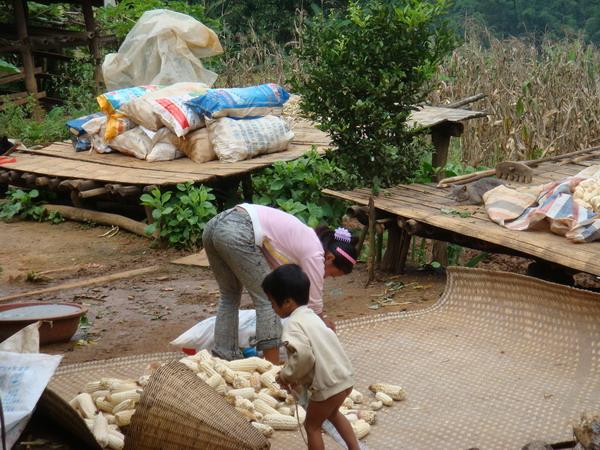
343,235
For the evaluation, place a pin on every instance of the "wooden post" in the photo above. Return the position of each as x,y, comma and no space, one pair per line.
90,26
440,138
371,259
247,189
20,8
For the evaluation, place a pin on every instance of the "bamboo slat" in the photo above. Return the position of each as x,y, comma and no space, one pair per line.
60,160
402,202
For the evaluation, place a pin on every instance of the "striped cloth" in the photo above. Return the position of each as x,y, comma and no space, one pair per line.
545,207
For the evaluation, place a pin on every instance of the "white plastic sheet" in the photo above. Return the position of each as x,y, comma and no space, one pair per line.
202,335
164,47
23,378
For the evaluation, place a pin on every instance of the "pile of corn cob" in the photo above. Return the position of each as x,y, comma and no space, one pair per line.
108,404
587,194
247,384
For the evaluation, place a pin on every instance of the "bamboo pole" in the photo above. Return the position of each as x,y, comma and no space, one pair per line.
76,284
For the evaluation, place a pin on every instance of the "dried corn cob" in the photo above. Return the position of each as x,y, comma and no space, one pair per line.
395,392
85,405
285,410
124,405
100,393
271,401
190,363
266,430
251,364
118,397
124,417
263,408
100,430
376,405
215,380
104,405
356,396
384,398
280,422
248,393
360,428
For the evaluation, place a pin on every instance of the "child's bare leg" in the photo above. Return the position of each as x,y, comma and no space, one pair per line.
317,413
343,427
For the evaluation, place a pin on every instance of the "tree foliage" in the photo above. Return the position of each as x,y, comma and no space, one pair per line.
517,17
362,72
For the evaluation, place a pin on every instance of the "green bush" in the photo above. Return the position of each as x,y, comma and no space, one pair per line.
180,216
362,73
26,205
121,18
295,187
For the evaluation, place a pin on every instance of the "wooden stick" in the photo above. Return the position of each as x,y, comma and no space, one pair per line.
93,192
87,215
371,259
465,101
89,282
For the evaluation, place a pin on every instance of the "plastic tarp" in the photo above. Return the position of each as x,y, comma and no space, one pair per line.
164,47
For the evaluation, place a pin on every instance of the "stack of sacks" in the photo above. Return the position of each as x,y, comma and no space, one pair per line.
159,124
135,121
244,122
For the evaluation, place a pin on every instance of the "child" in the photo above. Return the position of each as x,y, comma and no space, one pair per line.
316,359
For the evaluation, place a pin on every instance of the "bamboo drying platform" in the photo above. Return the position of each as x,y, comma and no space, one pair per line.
500,360
427,211
59,160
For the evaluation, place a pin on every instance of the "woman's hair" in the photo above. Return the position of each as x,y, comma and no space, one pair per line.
287,281
340,244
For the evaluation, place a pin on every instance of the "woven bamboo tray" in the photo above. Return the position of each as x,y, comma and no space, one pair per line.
498,361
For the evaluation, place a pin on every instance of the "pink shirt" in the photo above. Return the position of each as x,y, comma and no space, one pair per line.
285,239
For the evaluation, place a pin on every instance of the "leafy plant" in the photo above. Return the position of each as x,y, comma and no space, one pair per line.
295,187
180,216
26,205
121,18
16,121
7,67
361,74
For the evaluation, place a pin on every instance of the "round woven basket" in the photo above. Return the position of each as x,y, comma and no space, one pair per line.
179,411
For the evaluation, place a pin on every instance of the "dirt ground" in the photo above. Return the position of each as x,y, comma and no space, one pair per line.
143,314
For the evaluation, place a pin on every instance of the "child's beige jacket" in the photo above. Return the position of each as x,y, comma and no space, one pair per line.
316,358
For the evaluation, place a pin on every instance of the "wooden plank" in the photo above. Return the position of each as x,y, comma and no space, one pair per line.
205,171
59,167
428,116
536,243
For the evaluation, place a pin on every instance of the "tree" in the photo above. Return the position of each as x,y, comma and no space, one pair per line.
362,73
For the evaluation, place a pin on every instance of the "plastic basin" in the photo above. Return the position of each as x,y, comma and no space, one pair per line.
59,320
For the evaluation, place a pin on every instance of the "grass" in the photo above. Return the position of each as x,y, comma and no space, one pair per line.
542,99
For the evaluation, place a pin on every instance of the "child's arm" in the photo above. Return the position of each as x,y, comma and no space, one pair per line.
301,359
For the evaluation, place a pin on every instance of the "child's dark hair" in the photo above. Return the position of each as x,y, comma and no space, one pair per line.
342,247
287,281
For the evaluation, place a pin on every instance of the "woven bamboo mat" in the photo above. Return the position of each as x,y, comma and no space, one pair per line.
498,361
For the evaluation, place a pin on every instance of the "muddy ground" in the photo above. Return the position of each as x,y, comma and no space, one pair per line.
143,314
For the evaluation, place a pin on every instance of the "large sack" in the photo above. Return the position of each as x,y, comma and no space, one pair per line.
163,47
134,142
176,115
196,146
165,146
110,102
140,109
117,124
252,101
235,140
96,129
80,138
